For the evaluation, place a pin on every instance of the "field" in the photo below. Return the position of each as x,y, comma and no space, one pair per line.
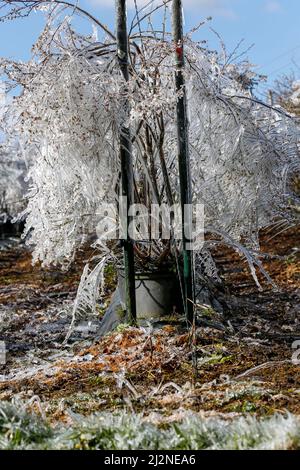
231,383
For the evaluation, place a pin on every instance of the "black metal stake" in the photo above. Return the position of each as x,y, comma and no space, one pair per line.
126,160
183,160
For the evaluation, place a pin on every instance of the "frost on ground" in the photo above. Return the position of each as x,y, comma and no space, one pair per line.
128,431
138,385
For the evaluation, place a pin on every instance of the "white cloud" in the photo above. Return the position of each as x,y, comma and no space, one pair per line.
272,6
212,7
208,7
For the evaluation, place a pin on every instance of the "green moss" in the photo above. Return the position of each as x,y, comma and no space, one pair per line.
110,275
122,327
121,313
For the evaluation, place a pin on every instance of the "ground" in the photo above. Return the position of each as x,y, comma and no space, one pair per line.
231,366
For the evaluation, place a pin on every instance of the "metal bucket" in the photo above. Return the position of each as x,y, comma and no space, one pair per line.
156,294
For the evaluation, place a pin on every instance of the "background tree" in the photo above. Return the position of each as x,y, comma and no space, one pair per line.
286,93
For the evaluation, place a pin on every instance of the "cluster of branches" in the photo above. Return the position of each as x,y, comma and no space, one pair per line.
286,93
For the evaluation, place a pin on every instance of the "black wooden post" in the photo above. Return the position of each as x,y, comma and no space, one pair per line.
183,159
126,160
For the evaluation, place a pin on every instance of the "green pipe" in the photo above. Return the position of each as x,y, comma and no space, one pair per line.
183,160
126,161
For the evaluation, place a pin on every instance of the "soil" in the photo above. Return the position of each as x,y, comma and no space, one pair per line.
239,362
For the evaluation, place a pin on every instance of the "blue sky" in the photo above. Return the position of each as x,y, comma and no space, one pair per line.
271,25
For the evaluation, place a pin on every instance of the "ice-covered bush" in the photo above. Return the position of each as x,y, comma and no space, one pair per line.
68,120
